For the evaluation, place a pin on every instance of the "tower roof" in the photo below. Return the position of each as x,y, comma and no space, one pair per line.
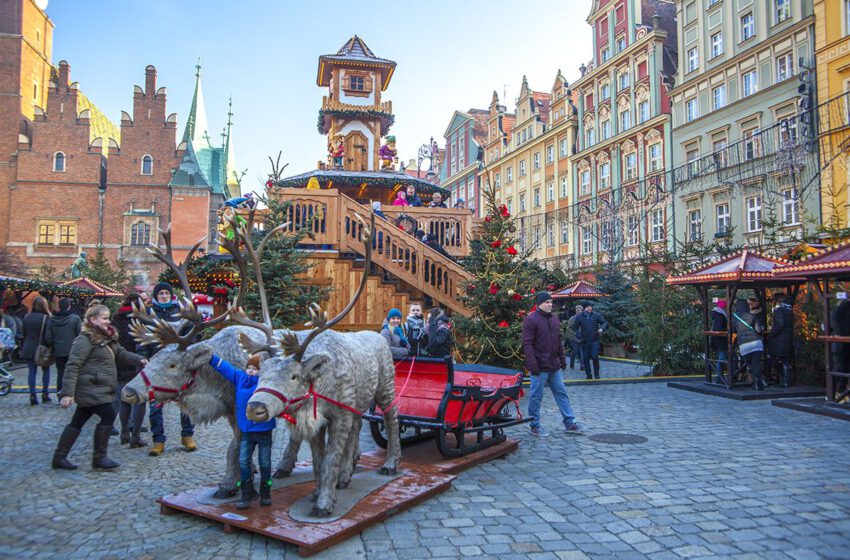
197,129
354,53
230,177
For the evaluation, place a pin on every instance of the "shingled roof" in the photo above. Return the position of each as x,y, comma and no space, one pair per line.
742,266
354,52
833,262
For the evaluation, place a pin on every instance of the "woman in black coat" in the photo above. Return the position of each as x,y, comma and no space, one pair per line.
61,331
748,328
780,341
35,323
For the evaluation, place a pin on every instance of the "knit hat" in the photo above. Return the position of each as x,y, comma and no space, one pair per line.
542,297
254,360
163,286
393,313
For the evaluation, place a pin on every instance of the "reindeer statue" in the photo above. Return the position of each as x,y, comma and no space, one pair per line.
181,372
342,374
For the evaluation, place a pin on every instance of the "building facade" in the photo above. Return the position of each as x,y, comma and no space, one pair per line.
526,159
744,171
832,55
621,196
465,138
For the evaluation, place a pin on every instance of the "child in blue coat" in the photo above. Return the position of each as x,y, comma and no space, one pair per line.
254,434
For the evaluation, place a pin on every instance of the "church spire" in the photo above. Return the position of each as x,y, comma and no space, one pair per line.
230,172
196,123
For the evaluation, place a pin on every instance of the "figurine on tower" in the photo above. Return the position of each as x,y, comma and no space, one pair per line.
336,150
388,154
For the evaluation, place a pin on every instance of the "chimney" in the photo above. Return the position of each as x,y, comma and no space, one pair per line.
656,21
150,81
64,74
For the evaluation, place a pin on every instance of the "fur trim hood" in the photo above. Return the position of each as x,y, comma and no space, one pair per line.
97,336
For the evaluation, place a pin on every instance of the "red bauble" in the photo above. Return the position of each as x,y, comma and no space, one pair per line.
504,324
511,251
496,244
487,219
517,297
494,288
269,183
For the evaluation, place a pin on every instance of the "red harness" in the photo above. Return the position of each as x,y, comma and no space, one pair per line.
179,392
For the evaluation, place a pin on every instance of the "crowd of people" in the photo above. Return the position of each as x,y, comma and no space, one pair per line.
417,336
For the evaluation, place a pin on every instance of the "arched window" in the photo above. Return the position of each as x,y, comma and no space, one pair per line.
140,234
59,161
147,165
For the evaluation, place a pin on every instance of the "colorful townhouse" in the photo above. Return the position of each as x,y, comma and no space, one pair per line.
465,138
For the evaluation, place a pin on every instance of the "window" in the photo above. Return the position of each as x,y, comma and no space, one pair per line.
510,205
537,236
752,144
606,129
784,67
625,120
522,202
586,242
754,213
147,167
747,26
498,180
632,230
717,44
623,81
510,174
657,225
631,166
604,176
721,211
550,154
783,10
643,111
604,92
691,109
718,97
585,182
693,59
564,184
46,233
140,234
591,137
790,215
788,130
692,157
536,161
59,162
67,234
621,44
550,234
536,197
654,157
565,233
550,192
522,168
356,83
562,151
694,225
750,83
461,153
606,236
719,150
605,54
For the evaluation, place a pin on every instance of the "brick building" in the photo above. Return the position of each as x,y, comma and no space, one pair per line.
72,181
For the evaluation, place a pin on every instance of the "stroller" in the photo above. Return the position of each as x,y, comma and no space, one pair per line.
7,344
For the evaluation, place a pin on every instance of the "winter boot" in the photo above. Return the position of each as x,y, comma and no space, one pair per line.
266,492
125,438
101,444
66,442
188,443
136,442
786,375
45,398
249,494
157,449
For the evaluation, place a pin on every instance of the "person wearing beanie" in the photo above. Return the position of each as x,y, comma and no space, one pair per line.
165,307
589,328
394,335
440,341
254,434
719,323
546,360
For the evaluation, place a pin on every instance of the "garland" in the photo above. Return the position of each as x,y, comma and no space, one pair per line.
23,285
387,118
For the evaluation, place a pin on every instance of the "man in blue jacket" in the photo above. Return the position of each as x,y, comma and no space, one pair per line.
254,434
545,359
589,327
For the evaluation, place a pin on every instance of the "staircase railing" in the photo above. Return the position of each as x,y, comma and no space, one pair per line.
451,227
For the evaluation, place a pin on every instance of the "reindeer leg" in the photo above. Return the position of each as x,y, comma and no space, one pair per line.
289,456
338,434
317,446
351,455
227,488
384,398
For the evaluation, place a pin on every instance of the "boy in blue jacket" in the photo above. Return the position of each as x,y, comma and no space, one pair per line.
254,434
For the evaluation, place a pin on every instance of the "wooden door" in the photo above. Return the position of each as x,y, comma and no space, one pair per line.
356,152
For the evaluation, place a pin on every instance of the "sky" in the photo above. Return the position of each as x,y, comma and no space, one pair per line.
451,56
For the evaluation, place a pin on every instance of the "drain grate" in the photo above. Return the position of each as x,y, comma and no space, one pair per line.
618,438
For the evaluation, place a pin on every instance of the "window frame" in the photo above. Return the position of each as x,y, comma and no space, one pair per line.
522,168
691,109
780,6
788,58
604,176
644,104
657,222
631,170
722,220
550,154
750,25
57,157
632,230
716,44
550,192
754,214
565,188
692,57
586,240
625,119
695,225
714,104
791,202
660,159
146,158
753,84
584,186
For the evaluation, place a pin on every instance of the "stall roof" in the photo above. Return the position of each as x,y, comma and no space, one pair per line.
579,290
334,178
745,266
833,262
28,285
98,289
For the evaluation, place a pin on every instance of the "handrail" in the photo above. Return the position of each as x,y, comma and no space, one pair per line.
335,105
452,227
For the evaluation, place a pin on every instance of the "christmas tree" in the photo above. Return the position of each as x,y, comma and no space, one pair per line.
501,293
103,271
621,307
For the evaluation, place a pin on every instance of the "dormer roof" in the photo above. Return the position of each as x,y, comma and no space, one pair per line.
354,53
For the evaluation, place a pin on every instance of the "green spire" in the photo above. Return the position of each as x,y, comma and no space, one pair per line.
196,123
230,155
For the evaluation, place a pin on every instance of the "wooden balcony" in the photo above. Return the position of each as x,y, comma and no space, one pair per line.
334,105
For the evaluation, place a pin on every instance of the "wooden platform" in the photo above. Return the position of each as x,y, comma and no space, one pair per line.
747,393
818,406
424,457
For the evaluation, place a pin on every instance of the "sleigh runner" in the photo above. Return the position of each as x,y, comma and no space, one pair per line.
464,407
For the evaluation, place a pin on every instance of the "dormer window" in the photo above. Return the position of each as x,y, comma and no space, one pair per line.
356,83
147,165
59,162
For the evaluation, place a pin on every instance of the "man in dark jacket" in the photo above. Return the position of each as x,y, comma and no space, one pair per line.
720,322
589,327
780,341
415,329
546,360
62,329
165,307
413,198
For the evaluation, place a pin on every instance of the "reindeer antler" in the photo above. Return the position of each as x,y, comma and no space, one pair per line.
319,318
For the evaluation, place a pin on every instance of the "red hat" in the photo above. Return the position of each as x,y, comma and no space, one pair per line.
721,303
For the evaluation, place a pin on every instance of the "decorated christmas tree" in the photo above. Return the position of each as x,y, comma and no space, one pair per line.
501,293
621,307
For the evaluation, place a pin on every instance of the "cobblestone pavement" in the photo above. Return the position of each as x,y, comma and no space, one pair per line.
717,478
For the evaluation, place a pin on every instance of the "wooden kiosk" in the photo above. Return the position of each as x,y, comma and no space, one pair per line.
577,291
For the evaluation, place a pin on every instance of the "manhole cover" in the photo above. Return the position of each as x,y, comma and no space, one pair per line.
618,438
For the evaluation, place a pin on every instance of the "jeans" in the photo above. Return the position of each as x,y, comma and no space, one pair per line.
575,346
263,441
559,391
60,372
158,426
590,351
106,412
753,361
45,377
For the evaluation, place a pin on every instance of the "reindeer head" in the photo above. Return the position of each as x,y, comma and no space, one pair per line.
167,371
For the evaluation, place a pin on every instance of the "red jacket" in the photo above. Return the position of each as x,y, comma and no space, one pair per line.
541,342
